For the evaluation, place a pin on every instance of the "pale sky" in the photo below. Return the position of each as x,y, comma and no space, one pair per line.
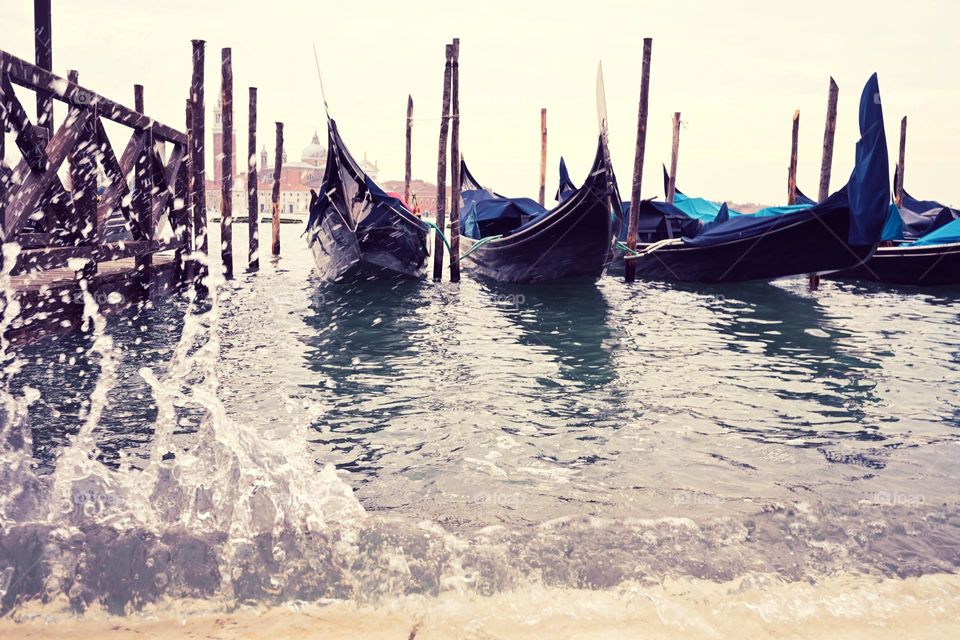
736,70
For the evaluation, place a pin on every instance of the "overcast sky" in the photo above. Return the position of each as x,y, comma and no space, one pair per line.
736,70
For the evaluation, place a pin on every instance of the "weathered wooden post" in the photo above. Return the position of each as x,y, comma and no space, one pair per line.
43,42
197,161
455,164
543,157
253,220
792,171
674,157
829,132
143,197
83,187
442,169
901,165
226,181
630,273
182,205
408,168
277,166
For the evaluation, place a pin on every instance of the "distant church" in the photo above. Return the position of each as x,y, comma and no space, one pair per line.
296,178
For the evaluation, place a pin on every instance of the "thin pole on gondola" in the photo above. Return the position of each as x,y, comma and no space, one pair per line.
829,132
455,164
898,187
277,166
442,169
674,156
792,171
323,93
253,216
408,169
630,273
226,172
543,156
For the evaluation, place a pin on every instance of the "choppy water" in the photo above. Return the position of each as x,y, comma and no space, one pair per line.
484,438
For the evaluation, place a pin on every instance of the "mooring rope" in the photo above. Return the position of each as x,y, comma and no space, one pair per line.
479,243
624,247
438,230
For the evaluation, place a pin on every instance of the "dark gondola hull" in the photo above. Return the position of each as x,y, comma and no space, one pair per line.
573,243
813,245
356,230
930,265
395,252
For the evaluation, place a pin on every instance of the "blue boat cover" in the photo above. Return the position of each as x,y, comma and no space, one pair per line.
566,188
947,234
867,193
489,213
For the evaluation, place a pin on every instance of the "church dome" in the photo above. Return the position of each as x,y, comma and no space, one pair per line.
314,152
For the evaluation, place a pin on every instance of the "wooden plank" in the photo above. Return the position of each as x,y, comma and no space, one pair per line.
164,196
829,133
43,45
41,259
442,167
253,216
792,170
33,185
630,268
455,164
117,172
226,183
408,169
674,159
277,166
33,77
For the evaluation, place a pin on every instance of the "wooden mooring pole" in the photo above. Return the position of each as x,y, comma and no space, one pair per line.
829,133
792,171
226,177
197,163
83,185
277,167
543,157
826,160
630,273
253,219
442,168
455,164
901,164
674,158
43,42
142,200
408,167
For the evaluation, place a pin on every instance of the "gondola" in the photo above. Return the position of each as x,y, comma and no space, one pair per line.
926,251
356,230
516,240
838,233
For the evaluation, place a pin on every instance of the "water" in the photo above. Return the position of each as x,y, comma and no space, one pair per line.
297,441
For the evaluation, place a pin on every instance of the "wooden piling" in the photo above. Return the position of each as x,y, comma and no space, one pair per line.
543,157
674,157
83,187
277,166
829,132
455,164
253,215
901,164
43,42
184,191
792,170
143,198
226,181
197,162
630,273
442,168
408,168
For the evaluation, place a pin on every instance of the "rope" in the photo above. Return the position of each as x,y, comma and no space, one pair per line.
478,244
437,229
624,247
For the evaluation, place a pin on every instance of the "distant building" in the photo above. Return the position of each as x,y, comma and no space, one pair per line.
296,178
